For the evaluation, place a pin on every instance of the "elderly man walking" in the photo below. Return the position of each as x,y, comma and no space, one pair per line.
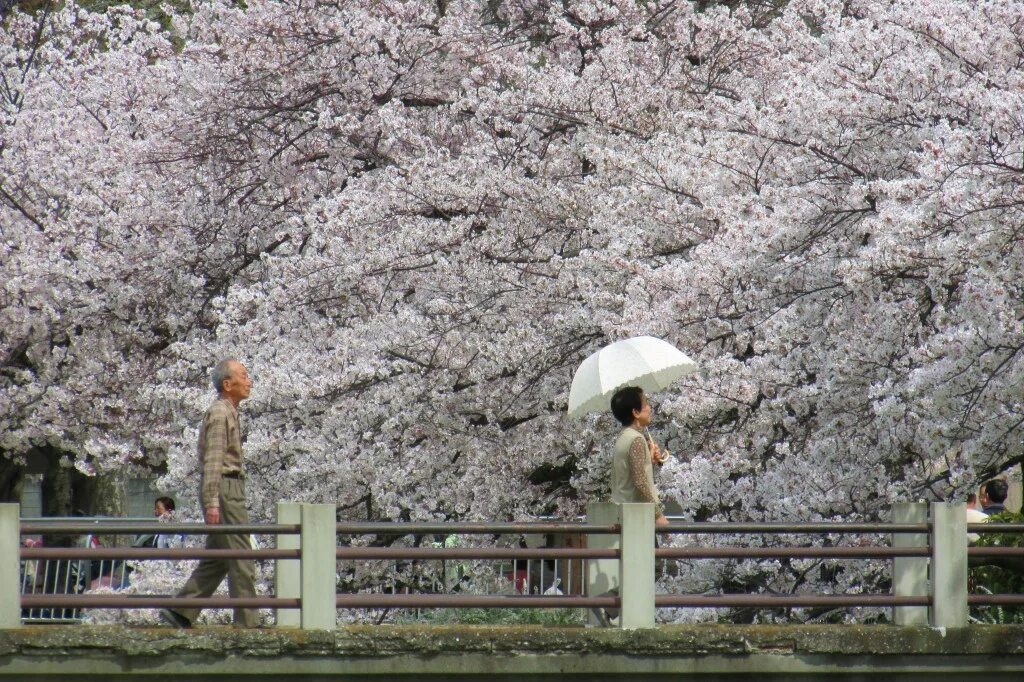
222,493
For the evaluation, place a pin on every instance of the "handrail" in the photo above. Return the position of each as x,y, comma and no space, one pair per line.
322,548
459,528
711,527
995,551
349,553
120,526
114,527
769,601
995,527
156,528
155,553
117,527
87,519
150,601
790,552
995,599
352,601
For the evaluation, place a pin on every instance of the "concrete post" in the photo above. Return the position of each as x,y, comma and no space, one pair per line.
910,574
949,565
10,566
602,574
636,567
288,572
319,567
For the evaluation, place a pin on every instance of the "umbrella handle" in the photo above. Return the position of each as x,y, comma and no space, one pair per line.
650,444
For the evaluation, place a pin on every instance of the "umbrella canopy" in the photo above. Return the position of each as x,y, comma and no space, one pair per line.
644,361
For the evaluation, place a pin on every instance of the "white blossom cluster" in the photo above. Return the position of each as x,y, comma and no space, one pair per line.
413,220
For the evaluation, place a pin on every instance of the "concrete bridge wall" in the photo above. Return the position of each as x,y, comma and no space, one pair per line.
705,652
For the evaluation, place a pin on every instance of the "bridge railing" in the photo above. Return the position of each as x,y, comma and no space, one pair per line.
929,550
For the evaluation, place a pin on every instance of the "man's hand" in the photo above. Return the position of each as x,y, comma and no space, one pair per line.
212,515
660,520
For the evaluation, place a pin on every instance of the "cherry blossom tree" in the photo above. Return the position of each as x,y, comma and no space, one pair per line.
413,220
75,336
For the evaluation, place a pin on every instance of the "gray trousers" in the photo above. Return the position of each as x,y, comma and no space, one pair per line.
241,573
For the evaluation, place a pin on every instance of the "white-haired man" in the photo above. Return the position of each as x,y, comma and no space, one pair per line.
222,493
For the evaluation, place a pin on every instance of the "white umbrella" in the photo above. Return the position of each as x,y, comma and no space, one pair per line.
644,361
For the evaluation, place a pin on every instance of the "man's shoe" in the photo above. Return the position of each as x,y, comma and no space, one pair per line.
599,614
605,616
174,618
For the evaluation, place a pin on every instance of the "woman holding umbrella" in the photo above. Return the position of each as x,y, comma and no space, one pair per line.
624,370
635,455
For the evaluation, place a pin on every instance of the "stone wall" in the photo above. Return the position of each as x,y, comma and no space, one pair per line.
522,653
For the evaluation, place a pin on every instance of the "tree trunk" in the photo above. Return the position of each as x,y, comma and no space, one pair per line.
102,495
68,492
12,479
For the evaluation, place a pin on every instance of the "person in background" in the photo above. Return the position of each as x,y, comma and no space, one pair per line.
163,509
974,515
992,496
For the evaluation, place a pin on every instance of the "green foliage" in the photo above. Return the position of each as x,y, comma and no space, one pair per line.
151,6
154,9
550,617
991,579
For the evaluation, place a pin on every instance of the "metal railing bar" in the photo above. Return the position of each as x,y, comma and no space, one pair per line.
995,551
155,553
416,528
790,552
355,601
46,574
995,599
712,527
986,527
767,601
113,526
51,590
28,576
106,528
115,601
349,553
87,519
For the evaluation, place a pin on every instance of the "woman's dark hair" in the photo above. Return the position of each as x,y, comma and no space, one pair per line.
167,502
625,401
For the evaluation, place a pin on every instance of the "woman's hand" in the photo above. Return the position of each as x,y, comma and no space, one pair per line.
656,456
